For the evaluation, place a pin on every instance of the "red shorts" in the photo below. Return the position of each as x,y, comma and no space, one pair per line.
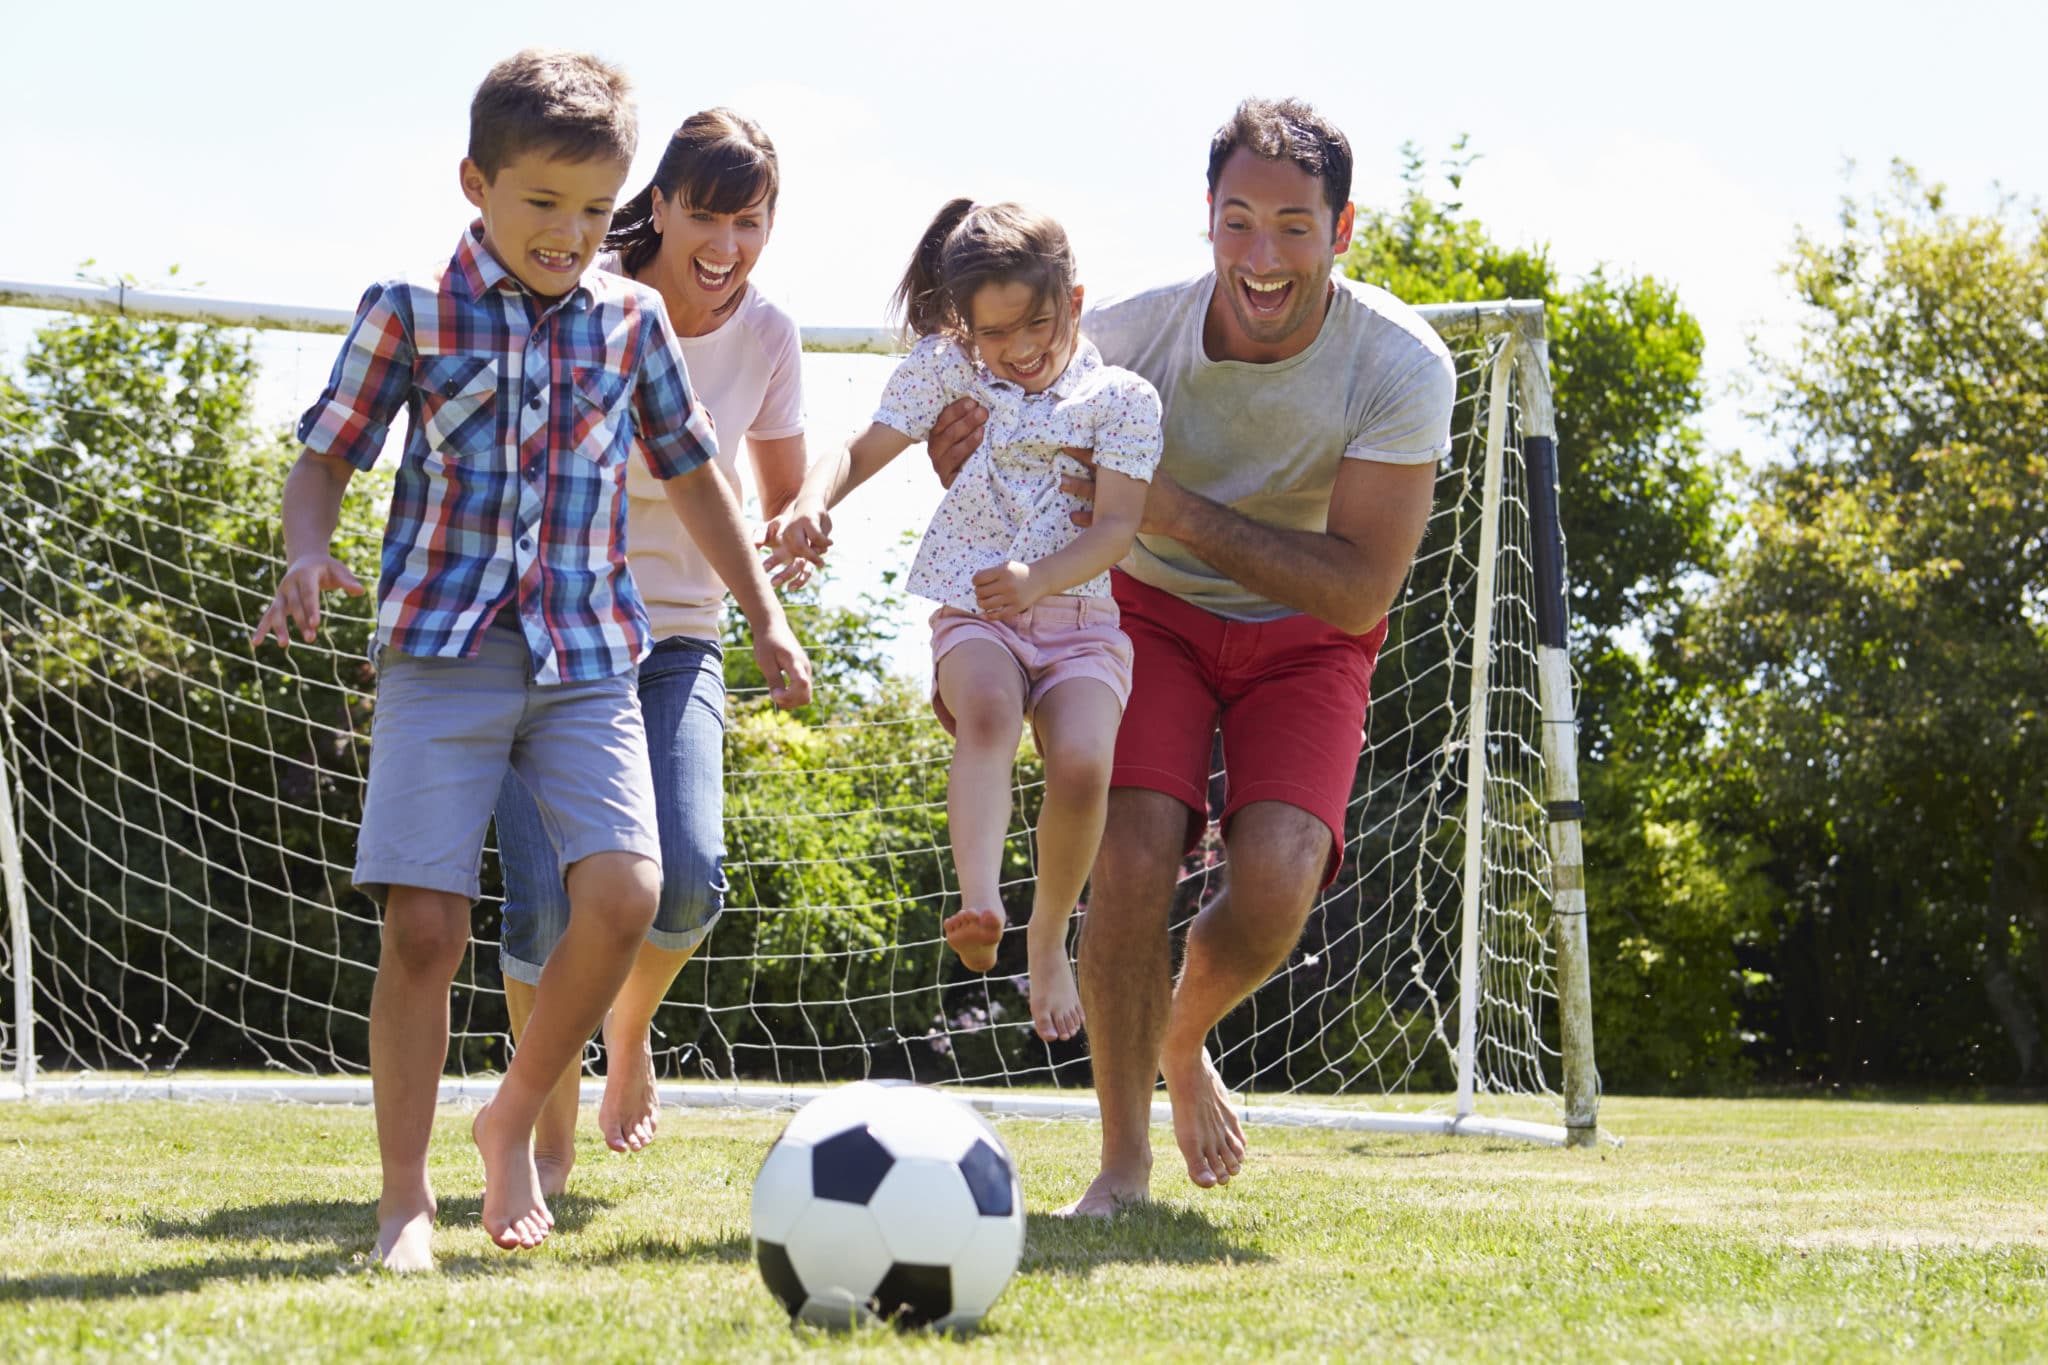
1290,696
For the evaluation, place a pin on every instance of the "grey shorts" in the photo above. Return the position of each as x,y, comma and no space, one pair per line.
446,731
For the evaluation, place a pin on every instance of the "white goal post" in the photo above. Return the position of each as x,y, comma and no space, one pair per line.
177,814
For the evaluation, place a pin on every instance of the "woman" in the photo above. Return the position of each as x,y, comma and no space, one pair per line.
694,234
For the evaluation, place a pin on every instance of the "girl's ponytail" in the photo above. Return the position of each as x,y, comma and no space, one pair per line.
921,299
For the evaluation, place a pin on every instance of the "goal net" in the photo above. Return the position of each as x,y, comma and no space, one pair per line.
180,812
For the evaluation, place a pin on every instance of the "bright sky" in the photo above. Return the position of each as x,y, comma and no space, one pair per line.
292,153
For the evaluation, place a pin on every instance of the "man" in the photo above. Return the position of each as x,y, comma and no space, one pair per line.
1304,419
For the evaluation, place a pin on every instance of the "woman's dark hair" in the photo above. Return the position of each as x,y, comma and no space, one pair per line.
718,161
969,245
1289,130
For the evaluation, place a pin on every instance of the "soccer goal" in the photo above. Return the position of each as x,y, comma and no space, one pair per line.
177,813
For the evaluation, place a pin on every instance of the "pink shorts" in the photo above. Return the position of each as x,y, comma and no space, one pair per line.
1063,637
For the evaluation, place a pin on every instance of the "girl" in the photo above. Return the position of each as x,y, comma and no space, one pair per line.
1025,628
694,234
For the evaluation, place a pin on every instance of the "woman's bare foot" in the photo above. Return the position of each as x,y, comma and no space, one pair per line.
1055,1000
1110,1193
554,1143
631,1108
405,1234
515,1213
975,935
552,1166
1204,1124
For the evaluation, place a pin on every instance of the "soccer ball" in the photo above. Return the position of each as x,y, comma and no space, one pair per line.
887,1200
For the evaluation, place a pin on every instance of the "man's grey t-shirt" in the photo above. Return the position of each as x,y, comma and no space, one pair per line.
1267,440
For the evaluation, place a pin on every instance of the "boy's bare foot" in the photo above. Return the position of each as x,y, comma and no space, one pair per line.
515,1213
1110,1193
1204,1124
975,935
631,1108
405,1235
1055,1000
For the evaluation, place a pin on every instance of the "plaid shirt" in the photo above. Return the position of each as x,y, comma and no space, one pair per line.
513,484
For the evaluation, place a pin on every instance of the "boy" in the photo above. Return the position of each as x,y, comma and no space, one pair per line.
508,628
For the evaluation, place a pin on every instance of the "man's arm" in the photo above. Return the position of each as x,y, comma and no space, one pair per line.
1347,575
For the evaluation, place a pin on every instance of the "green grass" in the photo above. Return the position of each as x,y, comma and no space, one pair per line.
1766,1229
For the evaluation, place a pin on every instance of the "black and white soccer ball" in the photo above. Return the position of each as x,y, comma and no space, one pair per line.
890,1201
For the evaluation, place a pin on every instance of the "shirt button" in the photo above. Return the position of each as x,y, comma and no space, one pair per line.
534,402
526,542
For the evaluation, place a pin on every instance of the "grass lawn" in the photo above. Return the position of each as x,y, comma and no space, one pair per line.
1755,1229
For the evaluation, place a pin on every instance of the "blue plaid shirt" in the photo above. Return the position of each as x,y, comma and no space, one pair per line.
512,489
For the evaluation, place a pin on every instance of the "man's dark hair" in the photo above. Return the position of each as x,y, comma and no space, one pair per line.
567,105
1291,130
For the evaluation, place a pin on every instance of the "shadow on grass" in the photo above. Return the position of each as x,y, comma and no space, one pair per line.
1382,1151
1150,1234
343,1222
339,1232
734,1248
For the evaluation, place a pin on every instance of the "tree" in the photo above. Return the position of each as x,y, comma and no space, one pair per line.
1672,889
1880,646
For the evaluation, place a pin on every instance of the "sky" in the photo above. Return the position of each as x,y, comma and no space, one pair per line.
293,154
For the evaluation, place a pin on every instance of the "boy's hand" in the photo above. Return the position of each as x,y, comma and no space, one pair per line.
783,663
1005,590
805,534
298,598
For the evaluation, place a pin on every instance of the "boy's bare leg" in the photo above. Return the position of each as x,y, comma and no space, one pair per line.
1076,724
1276,855
554,1132
984,689
1127,986
424,936
631,1108
612,899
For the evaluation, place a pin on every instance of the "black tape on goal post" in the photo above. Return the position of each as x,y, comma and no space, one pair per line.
1539,457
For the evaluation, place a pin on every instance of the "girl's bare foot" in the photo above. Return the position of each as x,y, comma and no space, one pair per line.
1055,1000
515,1213
631,1108
975,935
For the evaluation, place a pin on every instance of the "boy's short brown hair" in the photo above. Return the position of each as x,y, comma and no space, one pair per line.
569,105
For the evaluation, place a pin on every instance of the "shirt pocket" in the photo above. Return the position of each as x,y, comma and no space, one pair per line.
458,405
602,431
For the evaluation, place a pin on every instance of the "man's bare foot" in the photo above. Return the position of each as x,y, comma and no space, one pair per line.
1204,1124
1110,1193
515,1213
405,1235
975,935
631,1108
1055,1000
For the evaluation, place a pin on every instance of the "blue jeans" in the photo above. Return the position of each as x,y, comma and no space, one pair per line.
682,702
